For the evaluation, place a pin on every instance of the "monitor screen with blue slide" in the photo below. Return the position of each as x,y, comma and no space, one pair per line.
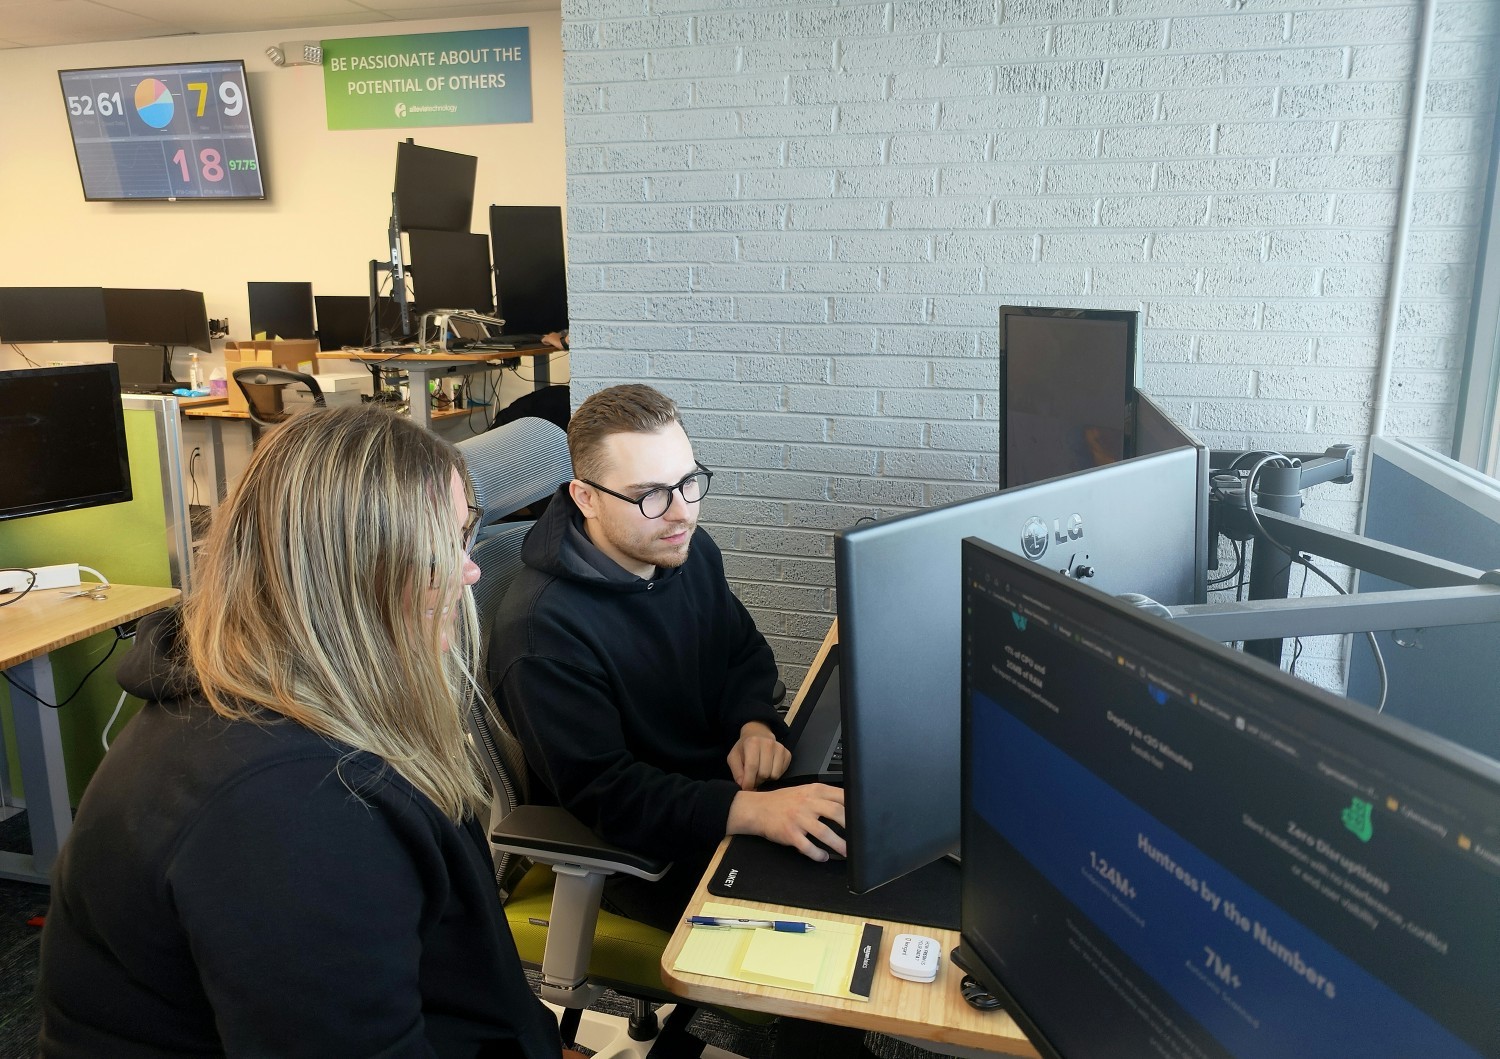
1175,851
1444,678
1133,526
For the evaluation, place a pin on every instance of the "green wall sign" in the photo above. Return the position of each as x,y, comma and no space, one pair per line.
472,77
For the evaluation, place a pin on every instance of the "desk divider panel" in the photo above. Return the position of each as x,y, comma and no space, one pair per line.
141,542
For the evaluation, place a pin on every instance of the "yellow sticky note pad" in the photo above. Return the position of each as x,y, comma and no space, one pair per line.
791,960
834,959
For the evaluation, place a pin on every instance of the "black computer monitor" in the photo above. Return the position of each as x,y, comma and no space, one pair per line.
531,275
1132,526
281,310
434,189
452,271
52,314
344,320
62,430
1067,386
1171,849
156,317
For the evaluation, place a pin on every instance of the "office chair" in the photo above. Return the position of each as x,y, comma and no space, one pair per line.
262,389
549,867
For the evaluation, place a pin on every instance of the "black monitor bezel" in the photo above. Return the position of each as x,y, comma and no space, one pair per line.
275,301
437,258
529,260
110,377
1311,697
434,189
1132,320
147,69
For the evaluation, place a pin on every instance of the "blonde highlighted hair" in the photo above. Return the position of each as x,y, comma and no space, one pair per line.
314,597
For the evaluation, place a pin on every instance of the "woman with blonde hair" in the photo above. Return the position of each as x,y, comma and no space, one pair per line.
280,854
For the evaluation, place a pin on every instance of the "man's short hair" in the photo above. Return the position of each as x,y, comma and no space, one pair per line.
631,408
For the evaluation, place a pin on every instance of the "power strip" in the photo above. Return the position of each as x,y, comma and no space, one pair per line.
63,575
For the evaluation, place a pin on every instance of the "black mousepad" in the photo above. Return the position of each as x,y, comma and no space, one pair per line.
754,869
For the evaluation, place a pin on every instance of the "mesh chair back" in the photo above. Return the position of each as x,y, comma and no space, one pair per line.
516,465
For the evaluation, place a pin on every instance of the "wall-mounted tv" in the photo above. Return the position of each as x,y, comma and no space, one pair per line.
179,131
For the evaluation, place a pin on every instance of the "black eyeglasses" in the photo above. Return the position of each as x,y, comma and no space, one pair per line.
471,528
654,503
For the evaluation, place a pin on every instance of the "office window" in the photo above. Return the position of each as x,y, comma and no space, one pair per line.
1476,433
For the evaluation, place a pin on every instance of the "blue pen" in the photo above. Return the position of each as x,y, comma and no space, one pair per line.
788,926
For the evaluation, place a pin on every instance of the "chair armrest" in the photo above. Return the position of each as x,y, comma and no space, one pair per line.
552,835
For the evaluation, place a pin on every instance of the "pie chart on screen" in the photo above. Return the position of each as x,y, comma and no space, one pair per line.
153,102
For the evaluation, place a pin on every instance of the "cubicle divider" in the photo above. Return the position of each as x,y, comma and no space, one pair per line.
145,541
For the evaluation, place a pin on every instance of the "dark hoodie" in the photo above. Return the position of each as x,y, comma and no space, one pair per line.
628,694
226,891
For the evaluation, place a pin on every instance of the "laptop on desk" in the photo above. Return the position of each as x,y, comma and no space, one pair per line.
817,729
143,369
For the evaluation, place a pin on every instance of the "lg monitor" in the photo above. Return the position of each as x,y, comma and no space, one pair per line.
52,314
434,189
179,131
62,430
1067,385
531,276
281,310
1132,526
452,271
1171,849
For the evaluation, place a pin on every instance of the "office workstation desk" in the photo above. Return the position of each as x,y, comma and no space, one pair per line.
423,368
30,629
933,1015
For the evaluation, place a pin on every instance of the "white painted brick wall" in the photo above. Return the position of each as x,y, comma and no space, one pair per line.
799,217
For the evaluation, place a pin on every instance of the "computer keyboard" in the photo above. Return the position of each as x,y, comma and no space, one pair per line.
836,758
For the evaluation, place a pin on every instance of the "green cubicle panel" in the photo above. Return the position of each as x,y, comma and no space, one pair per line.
141,542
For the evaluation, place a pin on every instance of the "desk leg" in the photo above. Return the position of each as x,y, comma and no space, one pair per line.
420,401
216,459
541,372
39,747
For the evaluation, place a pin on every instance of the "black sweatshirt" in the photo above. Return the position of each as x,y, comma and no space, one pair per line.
628,694
225,891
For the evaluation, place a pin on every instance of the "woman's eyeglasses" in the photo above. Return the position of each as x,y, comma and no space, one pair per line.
654,503
471,528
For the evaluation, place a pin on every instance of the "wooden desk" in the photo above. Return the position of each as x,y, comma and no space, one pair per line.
422,368
933,1013
30,629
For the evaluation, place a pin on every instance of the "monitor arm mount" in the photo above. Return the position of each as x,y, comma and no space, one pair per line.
1274,482
1441,592
397,268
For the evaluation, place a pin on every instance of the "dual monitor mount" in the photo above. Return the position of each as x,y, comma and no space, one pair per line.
1258,496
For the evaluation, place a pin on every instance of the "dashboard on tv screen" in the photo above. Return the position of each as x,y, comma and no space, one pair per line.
180,131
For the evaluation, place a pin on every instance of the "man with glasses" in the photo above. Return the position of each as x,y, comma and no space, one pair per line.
636,681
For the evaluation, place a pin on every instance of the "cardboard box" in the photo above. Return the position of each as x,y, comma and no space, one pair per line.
293,354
